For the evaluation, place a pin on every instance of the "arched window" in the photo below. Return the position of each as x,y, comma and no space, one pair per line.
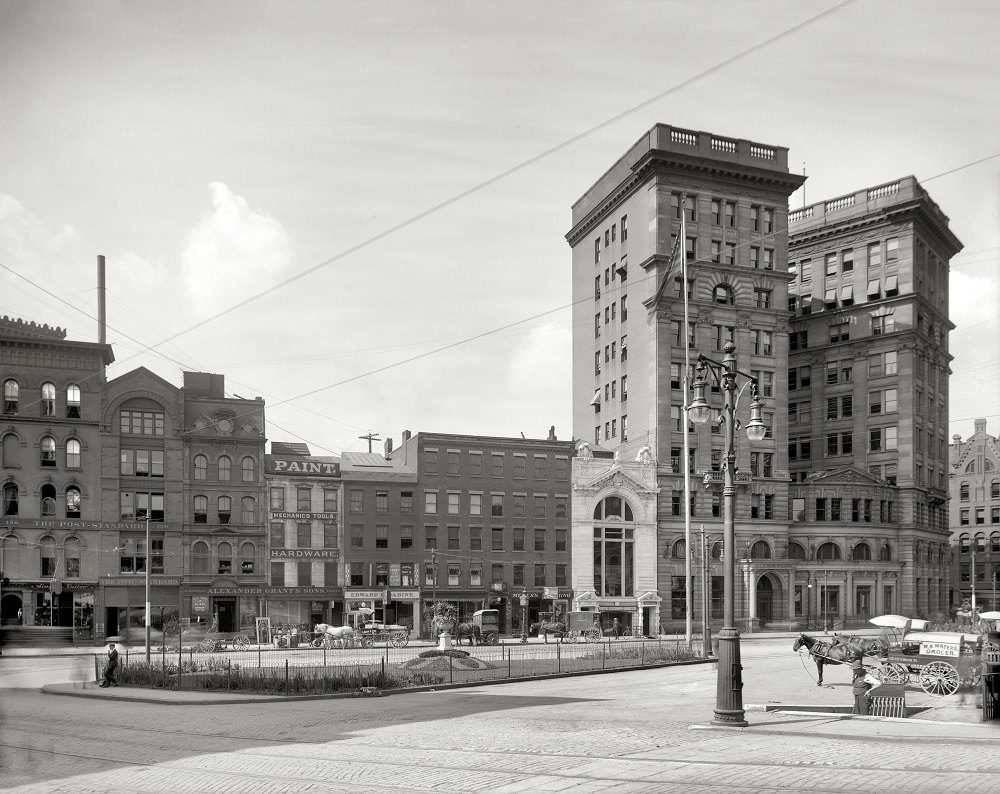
723,293
717,550
249,469
73,401
200,557
73,502
862,552
11,452
963,543
10,499
971,468
249,511
248,555
828,551
201,509
760,551
72,454
10,397
614,549
885,553
963,491
225,509
225,558
48,399
72,553
225,468
200,467
12,557
679,550
48,447
610,509
48,500
796,551
47,551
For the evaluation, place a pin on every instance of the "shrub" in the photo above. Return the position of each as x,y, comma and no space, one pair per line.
455,653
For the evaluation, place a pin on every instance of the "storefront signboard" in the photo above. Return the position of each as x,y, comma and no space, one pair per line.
404,595
304,466
140,579
199,605
322,554
364,594
277,515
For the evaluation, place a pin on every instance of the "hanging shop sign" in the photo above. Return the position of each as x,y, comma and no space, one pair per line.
199,604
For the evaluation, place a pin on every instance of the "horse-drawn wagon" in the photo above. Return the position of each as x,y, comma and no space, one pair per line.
390,633
581,626
488,623
938,661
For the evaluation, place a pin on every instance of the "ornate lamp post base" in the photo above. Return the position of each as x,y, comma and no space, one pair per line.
729,687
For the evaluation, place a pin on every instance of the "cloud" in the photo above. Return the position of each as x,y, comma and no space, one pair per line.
233,252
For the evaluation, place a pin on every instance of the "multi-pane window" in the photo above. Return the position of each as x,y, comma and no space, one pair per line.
762,297
141,423
454,503
430,502
476,538
381,536
357,536
381,501
329,500
225,509
303,500
357,500
540,539
48,399
200,467
248,510
277,498
225,468
277,535
518,539
406,537
882,325
475,504
496,539
840,332
882,401
430,461
249,466
73,401
882,439
496,464
201,509
540,503
303,535
881,364
72,454
763,342
452,462
496,504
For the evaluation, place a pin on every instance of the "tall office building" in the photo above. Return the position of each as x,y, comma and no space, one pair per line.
629,358
868,402
838,310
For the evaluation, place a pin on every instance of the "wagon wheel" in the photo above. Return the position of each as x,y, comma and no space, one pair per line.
367,641
206,646
398,639
317,642
491,638
241,642
892,673
593,634
939,678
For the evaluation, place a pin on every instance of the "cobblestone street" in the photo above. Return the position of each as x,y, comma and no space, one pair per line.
625,732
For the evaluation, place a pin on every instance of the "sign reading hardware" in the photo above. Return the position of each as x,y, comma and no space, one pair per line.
326,554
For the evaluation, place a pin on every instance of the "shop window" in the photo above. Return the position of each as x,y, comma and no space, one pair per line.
73,502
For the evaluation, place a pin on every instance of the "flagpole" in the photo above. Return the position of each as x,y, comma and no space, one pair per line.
688,581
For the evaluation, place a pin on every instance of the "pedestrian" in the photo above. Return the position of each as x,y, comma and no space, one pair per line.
860,687
111,668
616,629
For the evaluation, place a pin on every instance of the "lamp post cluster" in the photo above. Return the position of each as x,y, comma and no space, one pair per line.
729,684
524,616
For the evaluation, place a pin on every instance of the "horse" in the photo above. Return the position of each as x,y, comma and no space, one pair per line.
470,630
343,636
546,628
841,651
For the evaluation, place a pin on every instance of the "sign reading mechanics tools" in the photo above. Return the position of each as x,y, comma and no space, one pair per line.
279,514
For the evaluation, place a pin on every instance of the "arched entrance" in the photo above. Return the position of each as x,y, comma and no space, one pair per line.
766,593
10,609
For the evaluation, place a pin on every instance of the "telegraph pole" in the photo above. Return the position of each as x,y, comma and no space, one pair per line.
370,437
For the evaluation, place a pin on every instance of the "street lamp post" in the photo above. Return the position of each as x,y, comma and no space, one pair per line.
524,616
149,610
826,602
729,686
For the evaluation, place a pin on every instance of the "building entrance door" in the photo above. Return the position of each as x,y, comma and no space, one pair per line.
226,610
765,600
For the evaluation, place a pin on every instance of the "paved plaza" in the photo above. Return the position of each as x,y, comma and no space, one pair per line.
638,731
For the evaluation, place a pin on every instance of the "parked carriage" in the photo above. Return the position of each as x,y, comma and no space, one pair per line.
374,632
583,626
488,622
938,661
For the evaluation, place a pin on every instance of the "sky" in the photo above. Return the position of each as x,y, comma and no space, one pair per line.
358,210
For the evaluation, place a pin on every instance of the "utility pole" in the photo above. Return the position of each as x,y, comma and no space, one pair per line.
370,437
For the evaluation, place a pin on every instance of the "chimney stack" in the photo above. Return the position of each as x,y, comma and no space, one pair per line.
388,447
406,436
102,328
